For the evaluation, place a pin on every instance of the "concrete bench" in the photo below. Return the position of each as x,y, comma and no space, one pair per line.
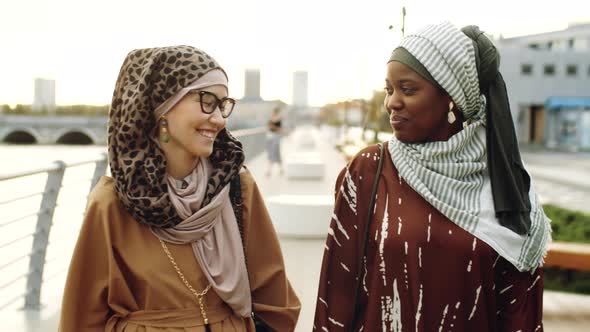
574,256
304,165
301,216
306,142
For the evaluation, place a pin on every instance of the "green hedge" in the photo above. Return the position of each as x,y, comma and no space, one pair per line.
568,226
566,280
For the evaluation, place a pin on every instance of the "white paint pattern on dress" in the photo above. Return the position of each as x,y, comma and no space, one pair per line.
406,275
399,226
350,192
496,261
534,282
469,266
429,220
420,257
391,311
384,226
386,312
419,309
335,322
344,267
365,275
331,233
442,322
323,301
506,289
340,227
475,304
474,243
397,310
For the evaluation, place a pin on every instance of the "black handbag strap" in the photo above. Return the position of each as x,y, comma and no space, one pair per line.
236,197
365,239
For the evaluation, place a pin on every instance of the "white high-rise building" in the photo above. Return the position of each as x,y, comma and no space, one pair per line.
252,85
44,95
300,89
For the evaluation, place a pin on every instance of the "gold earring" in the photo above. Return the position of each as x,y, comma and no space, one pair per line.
451,116
165,137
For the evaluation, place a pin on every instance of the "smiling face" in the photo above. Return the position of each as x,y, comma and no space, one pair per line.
417,109
191,131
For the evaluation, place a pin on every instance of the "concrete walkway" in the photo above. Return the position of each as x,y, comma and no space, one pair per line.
303,257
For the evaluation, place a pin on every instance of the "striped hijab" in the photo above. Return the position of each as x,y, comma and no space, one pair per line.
453,175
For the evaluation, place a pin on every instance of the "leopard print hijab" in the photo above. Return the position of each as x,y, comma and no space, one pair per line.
147,78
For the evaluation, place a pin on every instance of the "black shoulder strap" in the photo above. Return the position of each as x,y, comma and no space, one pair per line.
359,264
237,202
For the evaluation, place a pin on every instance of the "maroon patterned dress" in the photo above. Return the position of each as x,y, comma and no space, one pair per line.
422,272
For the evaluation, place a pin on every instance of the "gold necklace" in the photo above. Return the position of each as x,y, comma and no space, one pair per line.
199,296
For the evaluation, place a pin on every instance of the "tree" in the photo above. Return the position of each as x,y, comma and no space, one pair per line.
5,108
376,118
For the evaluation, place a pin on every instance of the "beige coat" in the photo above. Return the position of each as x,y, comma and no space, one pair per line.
120,279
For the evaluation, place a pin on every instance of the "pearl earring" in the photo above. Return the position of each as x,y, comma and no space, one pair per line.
451,116
165,137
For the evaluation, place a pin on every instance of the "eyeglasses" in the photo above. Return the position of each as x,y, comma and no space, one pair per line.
209,102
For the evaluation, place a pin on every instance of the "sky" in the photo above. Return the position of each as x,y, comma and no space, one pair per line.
343,44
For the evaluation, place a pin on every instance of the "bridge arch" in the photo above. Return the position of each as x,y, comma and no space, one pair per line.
21,136
78,136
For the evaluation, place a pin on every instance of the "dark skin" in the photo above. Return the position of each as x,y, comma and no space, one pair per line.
417,108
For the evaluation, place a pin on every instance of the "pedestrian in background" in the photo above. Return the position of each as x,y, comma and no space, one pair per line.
273,143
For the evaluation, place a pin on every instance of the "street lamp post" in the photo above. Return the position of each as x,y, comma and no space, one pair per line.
403,21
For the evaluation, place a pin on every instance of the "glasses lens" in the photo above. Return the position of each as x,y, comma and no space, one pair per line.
208,102
227,106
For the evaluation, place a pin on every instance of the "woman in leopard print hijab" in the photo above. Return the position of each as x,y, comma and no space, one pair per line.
149,77
178,196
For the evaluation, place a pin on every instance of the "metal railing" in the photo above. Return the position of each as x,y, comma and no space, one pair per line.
253,144
34,276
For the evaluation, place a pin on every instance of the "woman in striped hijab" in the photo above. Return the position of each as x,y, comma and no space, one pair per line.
457,236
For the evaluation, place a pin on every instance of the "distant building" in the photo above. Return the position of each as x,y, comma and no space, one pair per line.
252,85
44,95
300,89
539,67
